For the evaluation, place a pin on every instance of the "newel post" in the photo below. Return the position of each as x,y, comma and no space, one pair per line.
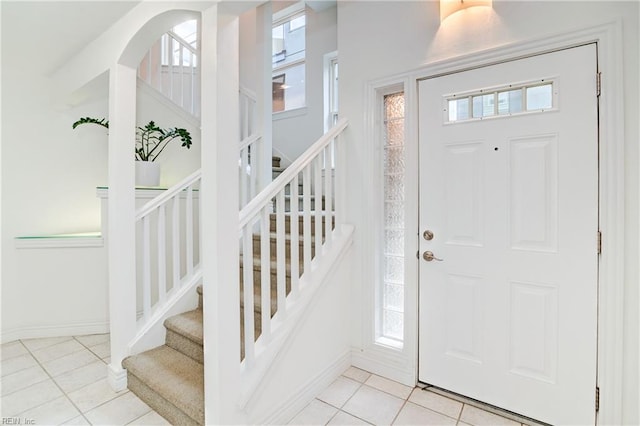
219,195
121,219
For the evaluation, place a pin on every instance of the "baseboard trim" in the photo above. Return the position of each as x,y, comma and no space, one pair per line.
37,332
308,391
382,364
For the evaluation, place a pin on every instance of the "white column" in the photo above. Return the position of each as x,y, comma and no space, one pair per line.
219,215
121,218
264,107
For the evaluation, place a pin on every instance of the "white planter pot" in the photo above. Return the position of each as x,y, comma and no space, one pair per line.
147,173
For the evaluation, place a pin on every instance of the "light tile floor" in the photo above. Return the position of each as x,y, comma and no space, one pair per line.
63,380
360,398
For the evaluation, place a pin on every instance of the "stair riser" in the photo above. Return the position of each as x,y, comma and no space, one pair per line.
166,409
186,346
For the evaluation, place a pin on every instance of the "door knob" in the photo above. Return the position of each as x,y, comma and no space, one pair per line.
429,256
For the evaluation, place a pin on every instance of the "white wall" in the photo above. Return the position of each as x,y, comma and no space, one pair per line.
49,178
380,39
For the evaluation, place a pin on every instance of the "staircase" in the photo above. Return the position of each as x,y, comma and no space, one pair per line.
170,378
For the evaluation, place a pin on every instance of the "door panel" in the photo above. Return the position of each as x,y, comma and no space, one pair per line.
509,315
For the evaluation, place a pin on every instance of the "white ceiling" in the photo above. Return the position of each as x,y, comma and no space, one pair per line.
45,34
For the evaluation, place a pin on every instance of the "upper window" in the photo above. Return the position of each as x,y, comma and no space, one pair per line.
288,60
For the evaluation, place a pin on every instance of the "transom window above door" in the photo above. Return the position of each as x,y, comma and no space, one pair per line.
505,101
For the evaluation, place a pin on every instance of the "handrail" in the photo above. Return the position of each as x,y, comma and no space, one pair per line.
167,195
248,141
248,93
183,42
266,195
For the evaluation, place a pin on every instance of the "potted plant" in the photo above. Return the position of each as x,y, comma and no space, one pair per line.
151,140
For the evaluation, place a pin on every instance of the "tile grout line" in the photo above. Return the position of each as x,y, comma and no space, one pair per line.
23,369
345,403
82,414
55,383
89,349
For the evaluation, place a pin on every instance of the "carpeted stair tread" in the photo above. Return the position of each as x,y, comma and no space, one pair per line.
188,324
172,375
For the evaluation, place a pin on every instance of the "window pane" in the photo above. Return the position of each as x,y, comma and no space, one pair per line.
288,88
540,97
510,102
288,41
458,109
483,106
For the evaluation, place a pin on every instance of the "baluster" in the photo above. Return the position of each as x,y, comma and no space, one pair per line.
265,272
176,241
189,230
162,254
280,256
317,192
181,59
245,117
255,166
247,287
192,64
306,221
328,193
339,181
244,162
170,66
294,241
146,267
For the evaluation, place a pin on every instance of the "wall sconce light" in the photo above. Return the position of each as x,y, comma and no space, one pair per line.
449,7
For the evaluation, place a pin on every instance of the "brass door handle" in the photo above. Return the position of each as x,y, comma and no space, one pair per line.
429,256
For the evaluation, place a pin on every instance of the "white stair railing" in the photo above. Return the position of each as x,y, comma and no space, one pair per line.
301,201
171,67
168,246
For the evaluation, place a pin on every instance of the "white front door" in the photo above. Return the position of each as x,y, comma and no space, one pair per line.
508,316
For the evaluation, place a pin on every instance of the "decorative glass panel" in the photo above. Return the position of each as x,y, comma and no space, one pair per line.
394,106
391,301
393,324
394,242
393,215
394,159
394,269
394,297
539,97
394,187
